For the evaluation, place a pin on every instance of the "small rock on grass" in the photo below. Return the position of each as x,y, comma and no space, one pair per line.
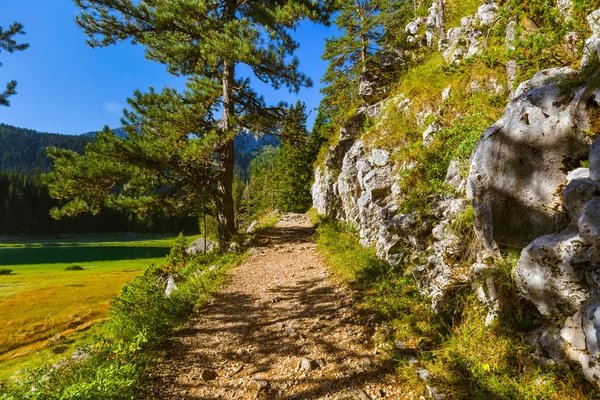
424,374
434,394
208,374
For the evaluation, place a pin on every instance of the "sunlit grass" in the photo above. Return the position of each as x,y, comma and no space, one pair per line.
46,311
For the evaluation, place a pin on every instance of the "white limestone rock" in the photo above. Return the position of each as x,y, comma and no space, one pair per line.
595,160
517,167
550,273
429,133
579,173
487,14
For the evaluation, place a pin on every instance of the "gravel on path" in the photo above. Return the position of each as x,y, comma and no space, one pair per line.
281,328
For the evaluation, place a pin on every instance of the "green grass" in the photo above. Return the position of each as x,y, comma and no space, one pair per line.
71,240
457,9
469,360
141,319
42,300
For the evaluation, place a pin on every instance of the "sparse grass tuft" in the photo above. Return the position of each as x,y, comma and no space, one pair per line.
456,9
462,226
313,216
267,220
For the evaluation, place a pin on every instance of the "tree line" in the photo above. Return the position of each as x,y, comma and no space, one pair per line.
25,208
281,177
178,154
24,150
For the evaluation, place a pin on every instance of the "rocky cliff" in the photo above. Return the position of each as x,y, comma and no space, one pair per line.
418,176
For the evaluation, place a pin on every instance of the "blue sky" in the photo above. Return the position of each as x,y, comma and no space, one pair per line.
67,87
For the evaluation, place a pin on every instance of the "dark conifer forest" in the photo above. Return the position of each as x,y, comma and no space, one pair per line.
25,203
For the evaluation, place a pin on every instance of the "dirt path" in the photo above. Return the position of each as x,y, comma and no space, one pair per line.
278,308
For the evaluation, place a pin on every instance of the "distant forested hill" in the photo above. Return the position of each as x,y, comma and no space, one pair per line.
25,203
248,146
117,131
24,150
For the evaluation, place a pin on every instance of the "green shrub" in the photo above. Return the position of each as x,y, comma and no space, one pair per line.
5,271
74,268
178,257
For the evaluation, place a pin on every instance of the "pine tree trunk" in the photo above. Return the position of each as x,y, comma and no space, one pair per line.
224,201
360,10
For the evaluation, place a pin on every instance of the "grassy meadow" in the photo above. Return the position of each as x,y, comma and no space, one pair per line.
47,310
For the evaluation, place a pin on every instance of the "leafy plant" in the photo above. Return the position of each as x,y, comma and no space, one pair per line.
178,257
74,268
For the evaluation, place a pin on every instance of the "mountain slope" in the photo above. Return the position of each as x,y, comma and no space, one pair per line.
24,150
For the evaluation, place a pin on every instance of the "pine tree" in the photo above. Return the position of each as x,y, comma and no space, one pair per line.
265,181
178,257
8,43
321,131
165,164
295,162
281,177
349,53
206,40
368,28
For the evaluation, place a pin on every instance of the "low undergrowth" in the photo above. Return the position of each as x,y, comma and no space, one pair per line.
468,359
142,318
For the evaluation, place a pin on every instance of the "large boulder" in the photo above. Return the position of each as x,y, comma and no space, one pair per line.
519,164
201,246
557,273
551,273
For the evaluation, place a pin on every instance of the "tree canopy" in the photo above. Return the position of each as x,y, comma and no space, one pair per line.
367,28
281,177
164,164
204,41
349,52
